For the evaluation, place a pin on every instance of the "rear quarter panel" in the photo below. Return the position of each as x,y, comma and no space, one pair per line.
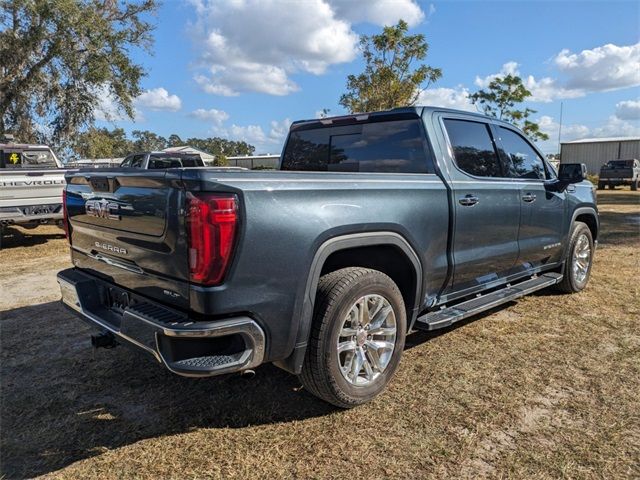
287,216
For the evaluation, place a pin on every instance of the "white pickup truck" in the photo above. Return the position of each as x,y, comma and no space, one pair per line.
31,184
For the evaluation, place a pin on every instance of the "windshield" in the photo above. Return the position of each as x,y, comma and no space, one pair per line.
621,164
28,159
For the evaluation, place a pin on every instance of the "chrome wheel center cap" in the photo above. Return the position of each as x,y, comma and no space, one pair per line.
361,337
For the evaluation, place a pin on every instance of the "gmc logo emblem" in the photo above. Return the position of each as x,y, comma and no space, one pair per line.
102,209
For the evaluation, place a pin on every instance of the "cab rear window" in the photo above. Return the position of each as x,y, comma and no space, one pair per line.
396,146
27,159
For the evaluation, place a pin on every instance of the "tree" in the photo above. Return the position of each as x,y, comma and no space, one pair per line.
175,140
146,141
221,147
499,100
388,79
59,58
102,143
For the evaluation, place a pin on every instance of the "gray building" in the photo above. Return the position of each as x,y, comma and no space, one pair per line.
595,152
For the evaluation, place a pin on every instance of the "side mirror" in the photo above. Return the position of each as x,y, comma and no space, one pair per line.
572,172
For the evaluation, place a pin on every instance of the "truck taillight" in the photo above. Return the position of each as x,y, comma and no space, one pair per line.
211,224
65,215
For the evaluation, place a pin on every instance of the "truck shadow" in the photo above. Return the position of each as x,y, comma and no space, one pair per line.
62,403
13,237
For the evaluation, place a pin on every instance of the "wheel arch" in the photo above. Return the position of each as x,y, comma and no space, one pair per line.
353,250
587,215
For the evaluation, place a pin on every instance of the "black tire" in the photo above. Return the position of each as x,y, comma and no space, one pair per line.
337,293
571,282
611,186
635,184
600,185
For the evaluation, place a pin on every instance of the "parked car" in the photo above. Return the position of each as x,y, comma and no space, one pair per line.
31,183
376,225
620,172
160,160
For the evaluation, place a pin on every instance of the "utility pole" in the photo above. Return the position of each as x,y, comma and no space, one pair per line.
560,128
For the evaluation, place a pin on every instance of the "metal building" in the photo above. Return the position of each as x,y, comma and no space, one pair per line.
595,152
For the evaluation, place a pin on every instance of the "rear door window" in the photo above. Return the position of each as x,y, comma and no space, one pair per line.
473,148
397,146
523,160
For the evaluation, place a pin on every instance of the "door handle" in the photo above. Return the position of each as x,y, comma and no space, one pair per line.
529,197
468,200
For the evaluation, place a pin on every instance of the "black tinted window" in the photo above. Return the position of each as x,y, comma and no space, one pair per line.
393,146
190,162
159,163
473,148
136,162
28,159
524,161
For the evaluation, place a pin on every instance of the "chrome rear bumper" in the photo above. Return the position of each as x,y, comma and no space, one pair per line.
185,347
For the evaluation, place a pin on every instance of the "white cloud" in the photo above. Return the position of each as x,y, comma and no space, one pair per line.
605,68
509,68
253,134
380,12
628,110
255,45
609,67
256,135
545,89
616,127
569,132
108,109
159,99
457,98
279,130
217,117
276,39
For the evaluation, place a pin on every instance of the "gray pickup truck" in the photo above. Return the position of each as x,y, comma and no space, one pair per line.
620,172
375,225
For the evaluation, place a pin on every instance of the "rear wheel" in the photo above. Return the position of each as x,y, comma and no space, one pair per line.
579,260
600,185
612,186
635,184
357,336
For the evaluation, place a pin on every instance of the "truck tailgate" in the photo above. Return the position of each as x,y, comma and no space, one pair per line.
24,187
125,227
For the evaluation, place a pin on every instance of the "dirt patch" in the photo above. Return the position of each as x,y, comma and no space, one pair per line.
543,388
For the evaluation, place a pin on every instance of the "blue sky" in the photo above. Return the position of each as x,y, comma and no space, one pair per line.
244,69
